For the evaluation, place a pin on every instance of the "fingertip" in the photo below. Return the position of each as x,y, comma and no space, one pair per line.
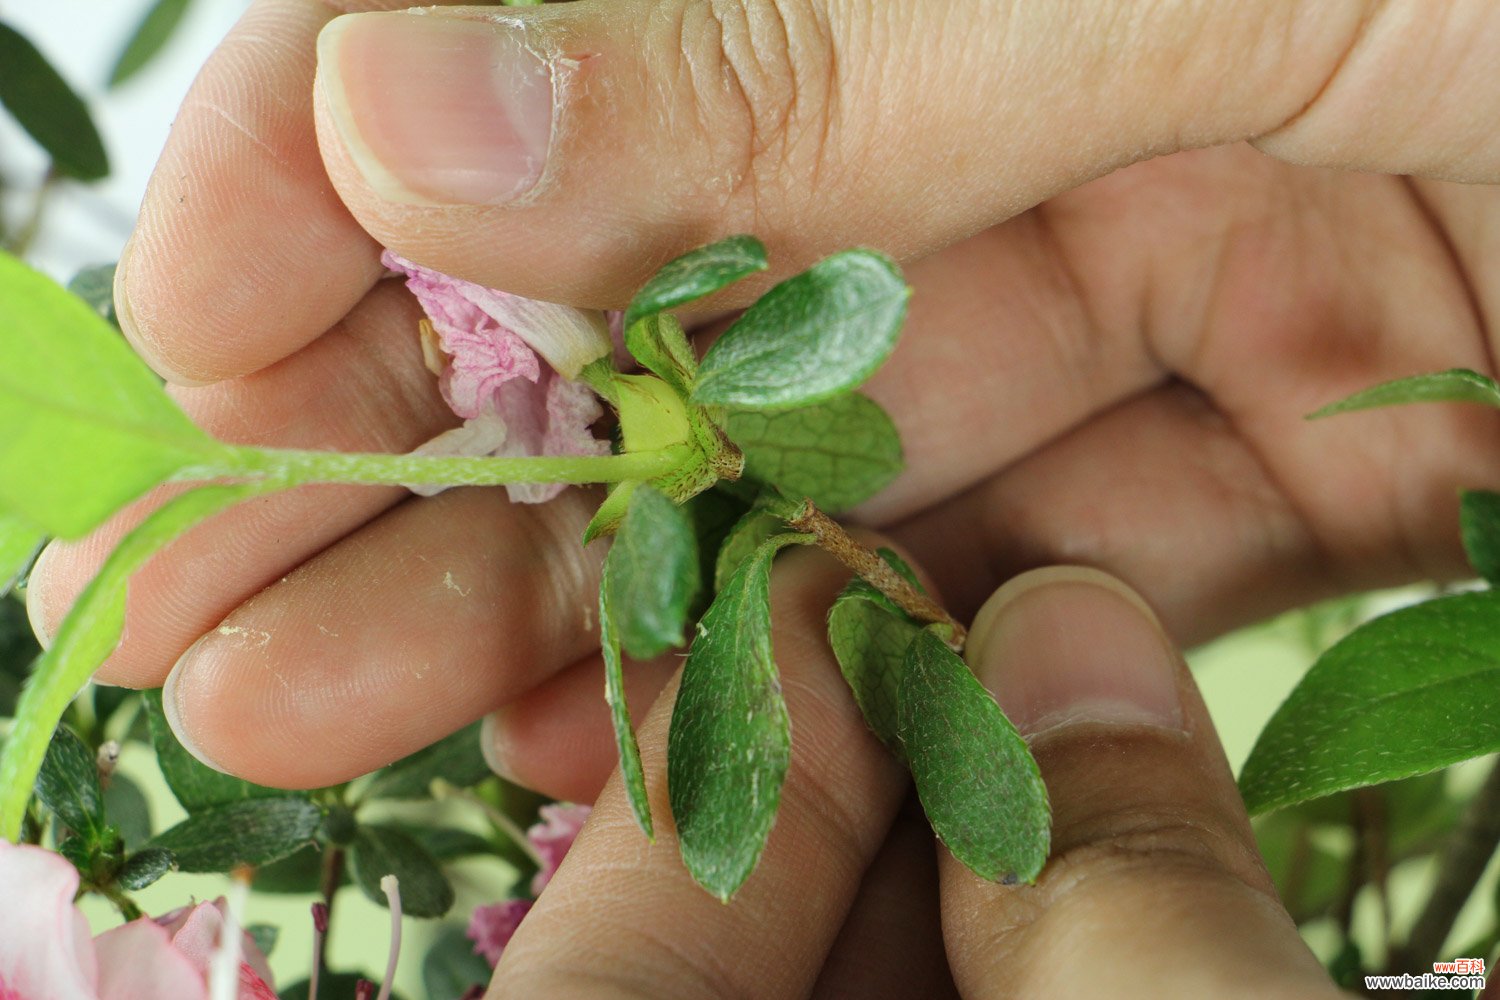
139,339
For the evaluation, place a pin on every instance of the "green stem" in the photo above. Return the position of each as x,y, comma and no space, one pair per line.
296,468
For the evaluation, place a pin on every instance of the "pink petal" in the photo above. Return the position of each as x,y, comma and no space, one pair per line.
137,962
553,837
491,927
45,947
549,419
198,935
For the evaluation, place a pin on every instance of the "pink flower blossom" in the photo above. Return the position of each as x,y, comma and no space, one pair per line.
491,927
512,404
46,952
195,933
552,838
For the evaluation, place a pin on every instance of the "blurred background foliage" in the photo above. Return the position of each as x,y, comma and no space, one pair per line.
90,89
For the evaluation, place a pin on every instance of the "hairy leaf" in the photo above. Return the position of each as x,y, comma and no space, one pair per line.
659,344
47,108
196,785
696,274
87,426
653,574
619,711
96,286
1457,385
145,867
1479,515
150,36
730,738
870,636
751,531
811,337
379,851
837,453
456,758
248,832
977,780
86,636
68,784
126,807
451,966
1407,693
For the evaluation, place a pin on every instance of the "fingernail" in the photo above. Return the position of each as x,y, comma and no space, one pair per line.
437,109
131,328
171,705
492,747
1066,645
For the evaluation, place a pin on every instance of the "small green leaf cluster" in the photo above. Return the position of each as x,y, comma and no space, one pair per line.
1411,691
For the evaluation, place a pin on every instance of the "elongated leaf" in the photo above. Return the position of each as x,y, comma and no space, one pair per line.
836,453
1457,385
977,780
145,867
96,287
870,636
19,543
752,530
150,36
69,785
87,426
47,108
730,739
87,635
127,808
249,832
196,785
696,274
653,574
659,344
619,711
379,851
1407,693
456,758
447,843
811,337
1479,515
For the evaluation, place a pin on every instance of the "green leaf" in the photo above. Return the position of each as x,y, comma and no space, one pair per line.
196,785
248,832
47,108
298,872
379,851
331,986
660,345
619,711
126,807
87,426
811,337
145,867
730,739
96,286
696,274
1457,385
19,544
870,635
446,843
752,530
68,784
451,966
149,37
653,574
977,780
265,937
836,453
1407,693
456,758
1479,516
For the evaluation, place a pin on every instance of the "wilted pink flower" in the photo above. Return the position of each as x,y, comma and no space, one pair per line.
552,838
46,952
491,927
512,404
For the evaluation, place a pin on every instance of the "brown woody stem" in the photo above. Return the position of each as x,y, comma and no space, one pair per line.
832,538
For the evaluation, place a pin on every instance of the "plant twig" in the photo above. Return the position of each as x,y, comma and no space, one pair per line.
831,536
1463,860
328,886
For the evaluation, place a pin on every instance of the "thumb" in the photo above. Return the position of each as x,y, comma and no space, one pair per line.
1154,887
565,151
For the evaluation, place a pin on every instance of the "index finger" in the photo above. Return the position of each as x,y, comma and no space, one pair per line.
243,253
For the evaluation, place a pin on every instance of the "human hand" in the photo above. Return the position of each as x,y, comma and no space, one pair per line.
1115,375
1154,889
